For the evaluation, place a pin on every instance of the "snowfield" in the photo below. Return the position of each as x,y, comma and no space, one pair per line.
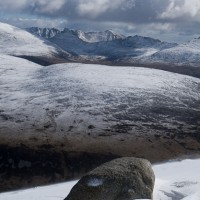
174,181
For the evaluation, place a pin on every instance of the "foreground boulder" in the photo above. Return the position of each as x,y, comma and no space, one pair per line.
120,179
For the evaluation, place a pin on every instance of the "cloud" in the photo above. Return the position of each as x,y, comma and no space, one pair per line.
90,8
48,6
182,9
100,10
94,8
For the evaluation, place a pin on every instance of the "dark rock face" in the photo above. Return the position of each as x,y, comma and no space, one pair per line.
120,179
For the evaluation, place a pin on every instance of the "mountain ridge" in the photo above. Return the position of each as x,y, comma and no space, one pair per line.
107,44
90,37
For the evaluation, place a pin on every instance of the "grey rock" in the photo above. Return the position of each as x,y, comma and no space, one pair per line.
120,179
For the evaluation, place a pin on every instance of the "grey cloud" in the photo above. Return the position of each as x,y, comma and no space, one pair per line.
109,10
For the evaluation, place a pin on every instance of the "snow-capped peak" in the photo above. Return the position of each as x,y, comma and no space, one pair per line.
101,36
43,32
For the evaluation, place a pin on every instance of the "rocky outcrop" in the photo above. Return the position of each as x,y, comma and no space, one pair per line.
121,179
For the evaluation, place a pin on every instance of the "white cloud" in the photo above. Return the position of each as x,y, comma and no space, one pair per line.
93,8
177,8
48,6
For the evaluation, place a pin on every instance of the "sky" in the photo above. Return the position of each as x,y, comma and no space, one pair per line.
168,20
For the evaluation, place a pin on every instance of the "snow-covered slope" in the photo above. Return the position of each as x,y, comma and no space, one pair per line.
71,98
88,110
183,54
18,42
174,181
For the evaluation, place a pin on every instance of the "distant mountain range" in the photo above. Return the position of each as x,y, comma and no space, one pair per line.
49,46
108,44
87,37
116,47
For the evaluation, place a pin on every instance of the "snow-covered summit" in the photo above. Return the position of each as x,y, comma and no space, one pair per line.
109,98
100,36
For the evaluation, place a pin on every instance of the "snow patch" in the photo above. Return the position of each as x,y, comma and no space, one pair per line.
95,182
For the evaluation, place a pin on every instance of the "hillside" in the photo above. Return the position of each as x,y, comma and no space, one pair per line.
76,113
